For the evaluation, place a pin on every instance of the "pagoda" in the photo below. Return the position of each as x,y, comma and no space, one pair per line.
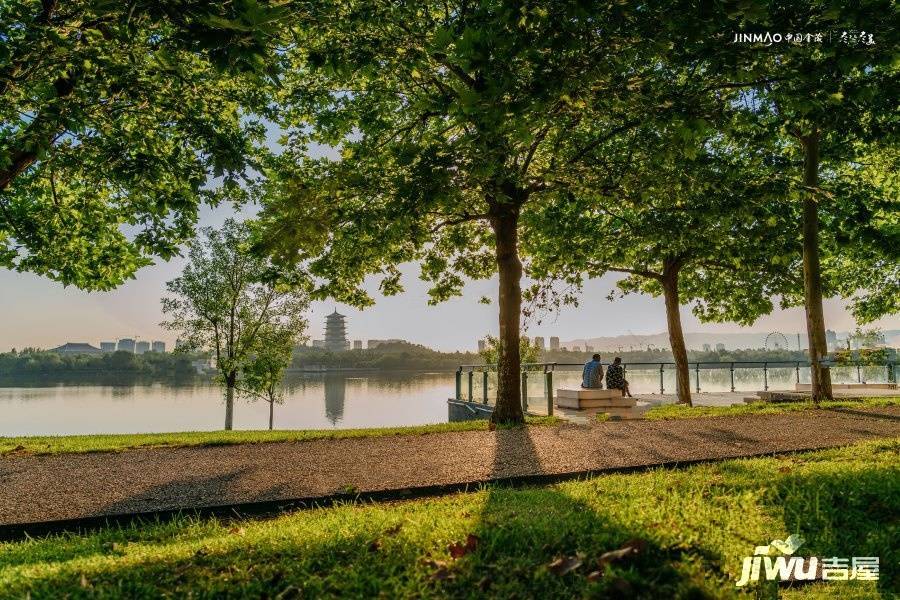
336,333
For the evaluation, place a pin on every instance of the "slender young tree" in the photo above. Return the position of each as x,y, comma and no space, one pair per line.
261,377
226,298
453,121
113,117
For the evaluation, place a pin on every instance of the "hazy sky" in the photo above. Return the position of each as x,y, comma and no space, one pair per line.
39,312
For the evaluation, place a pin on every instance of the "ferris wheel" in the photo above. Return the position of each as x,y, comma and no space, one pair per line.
776,341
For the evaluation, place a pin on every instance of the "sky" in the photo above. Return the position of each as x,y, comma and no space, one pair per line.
37,312
41,313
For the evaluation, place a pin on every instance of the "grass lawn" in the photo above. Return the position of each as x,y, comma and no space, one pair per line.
694,525
116,442
680,411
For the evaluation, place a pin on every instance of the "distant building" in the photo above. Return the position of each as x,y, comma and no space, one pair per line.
576,349
720,347
336,332
142,347
830,339
375,343
357,344
482,345
107,346
588,348
539,342
76,348
126,345
707,348
319,344
158,346
554,343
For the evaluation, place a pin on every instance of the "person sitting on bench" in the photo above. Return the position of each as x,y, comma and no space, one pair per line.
615,378
592,377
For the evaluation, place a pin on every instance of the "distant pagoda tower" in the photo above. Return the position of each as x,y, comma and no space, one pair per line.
336,333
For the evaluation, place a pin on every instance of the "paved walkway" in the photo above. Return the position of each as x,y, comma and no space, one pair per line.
50,488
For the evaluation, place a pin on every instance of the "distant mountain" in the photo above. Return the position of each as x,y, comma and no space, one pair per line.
695,341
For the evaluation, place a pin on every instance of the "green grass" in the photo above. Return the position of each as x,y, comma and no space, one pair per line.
680,411
72,444
697,524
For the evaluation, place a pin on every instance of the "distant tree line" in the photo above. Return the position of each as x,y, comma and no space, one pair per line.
31,363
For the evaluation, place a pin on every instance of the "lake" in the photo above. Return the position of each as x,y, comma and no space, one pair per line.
312,401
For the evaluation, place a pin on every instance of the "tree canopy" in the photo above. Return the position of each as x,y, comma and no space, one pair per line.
114,116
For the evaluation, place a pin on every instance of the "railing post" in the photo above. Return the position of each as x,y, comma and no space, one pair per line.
548,379
484,381
524,391
697,371
662,387
858,374
890,370
459,384
798,371
731,368
471,377
765,376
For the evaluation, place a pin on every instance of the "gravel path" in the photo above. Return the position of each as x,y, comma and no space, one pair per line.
49,488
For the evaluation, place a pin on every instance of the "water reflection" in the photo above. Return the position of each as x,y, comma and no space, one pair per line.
335,395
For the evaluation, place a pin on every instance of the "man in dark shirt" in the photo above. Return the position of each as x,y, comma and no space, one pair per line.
615,377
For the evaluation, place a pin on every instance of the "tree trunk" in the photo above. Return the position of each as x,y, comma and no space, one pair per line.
676,335
505,223
230,381
812,275
271,415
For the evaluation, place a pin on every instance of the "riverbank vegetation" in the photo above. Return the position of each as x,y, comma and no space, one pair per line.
33,365
669,533
74,444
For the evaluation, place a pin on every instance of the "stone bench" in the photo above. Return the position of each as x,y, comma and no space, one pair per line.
611,402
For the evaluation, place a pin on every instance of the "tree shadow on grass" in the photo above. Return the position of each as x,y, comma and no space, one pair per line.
392,549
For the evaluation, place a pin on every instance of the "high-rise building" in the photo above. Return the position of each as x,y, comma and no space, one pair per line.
539,342
336,332
357,344
554,343
126,345
830,339
107,346
158,346
141,347
482,344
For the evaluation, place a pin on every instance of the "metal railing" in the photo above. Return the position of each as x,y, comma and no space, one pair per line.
549,368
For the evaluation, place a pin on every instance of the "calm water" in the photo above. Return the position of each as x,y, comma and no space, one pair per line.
311,401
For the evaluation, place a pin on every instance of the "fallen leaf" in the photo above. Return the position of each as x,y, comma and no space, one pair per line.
564,565
375,546
237,531
84,581
629,549
441,572
784,470
594,576
458,550
393,530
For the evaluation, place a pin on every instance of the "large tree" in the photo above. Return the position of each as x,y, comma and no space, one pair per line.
114,116
817,96
693,223
453,120
227,300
